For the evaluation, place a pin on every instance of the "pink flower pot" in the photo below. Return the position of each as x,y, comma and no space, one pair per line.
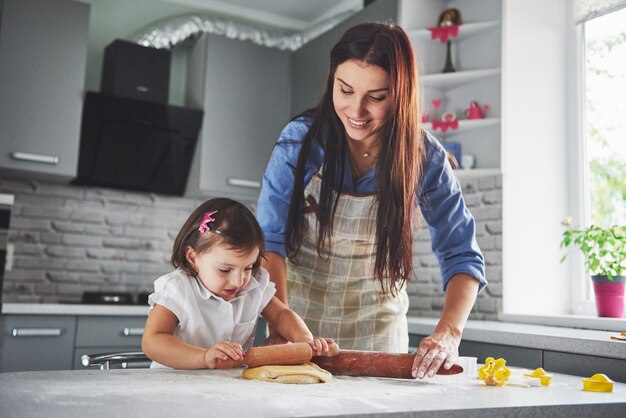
609,296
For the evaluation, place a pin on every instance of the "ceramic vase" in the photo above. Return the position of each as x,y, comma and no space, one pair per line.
609,296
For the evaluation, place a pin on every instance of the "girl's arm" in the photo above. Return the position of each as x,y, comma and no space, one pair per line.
160,345
291,327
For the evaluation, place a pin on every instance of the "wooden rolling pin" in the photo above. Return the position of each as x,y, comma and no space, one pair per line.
374,364
281,354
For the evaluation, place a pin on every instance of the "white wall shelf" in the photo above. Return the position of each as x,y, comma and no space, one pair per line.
456,79
465,31
476,54
462,173
465,125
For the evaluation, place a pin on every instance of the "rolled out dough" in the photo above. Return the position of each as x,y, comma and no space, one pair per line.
306,373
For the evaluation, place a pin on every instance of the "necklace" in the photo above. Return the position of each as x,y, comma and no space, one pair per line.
361,166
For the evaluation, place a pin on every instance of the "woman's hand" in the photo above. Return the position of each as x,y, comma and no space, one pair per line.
222,351
441,348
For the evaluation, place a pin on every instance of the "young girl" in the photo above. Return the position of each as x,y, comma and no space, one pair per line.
206,310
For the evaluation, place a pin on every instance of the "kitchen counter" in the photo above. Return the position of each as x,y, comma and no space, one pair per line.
73,309
562,339
165,392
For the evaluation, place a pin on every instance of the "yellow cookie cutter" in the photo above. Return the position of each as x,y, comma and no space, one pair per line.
494,372
598,383
544,378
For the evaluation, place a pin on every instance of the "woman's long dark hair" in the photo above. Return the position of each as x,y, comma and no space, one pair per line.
400,161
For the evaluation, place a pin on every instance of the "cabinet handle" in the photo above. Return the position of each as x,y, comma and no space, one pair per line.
35,158
132,332
36,332
252,184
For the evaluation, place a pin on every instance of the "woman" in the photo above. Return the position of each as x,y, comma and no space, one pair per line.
340,199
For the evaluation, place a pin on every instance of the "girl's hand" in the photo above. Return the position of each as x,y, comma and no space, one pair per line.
320,345
434,351
222,351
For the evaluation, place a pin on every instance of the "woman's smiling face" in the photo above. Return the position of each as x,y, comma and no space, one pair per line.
361,99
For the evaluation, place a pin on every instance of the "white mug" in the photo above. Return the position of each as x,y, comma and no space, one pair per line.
467,161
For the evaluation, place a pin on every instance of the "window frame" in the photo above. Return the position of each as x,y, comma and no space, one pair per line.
582,299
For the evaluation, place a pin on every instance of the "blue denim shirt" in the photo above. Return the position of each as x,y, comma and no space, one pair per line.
452,227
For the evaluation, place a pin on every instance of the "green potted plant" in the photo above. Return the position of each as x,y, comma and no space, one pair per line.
604,251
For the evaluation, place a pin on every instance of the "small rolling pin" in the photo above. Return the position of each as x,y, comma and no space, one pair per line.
282,354
374,364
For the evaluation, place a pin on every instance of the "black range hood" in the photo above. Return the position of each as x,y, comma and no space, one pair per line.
136,144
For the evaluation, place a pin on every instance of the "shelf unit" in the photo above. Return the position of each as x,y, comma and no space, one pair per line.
476,56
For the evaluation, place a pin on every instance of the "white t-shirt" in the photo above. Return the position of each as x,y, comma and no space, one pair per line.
204,319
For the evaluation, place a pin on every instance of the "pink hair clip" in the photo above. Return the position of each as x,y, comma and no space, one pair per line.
204,224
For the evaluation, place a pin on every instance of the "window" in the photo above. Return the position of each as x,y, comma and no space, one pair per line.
605,107
603,159
546,151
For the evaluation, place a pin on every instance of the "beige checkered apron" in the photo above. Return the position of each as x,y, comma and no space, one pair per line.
337,296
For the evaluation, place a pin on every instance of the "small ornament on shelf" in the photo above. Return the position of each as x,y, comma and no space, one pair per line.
444,33
475,111
436,104
468,161
447,27
448,121
454,153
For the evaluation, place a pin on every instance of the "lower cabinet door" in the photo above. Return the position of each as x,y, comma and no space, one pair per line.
34,342
108,334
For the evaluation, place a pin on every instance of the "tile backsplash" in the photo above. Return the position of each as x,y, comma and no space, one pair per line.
69,239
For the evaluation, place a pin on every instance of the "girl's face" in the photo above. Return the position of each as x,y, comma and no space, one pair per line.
223,270
361,99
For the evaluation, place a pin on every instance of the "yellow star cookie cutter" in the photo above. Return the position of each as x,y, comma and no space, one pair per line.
494,372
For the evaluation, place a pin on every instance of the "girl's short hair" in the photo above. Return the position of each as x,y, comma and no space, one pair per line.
236,226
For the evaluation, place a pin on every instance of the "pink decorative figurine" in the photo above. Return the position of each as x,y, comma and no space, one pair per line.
475,111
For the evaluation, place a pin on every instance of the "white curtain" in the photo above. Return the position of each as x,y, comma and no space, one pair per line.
588,9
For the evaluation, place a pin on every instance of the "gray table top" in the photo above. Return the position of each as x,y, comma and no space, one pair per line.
217,393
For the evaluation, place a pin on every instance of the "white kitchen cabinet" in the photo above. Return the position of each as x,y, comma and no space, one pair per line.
43,52
244,91
36,342
476,56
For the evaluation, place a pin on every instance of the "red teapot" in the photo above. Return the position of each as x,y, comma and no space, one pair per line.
475,111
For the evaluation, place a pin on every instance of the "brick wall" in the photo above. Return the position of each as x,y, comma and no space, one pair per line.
483,196
70,239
